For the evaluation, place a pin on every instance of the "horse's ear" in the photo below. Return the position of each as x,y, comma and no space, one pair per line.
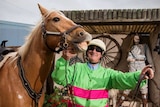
42,9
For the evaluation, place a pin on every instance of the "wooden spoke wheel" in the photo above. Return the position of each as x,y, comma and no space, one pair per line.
112,55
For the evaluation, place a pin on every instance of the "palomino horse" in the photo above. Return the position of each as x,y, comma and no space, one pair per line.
24,72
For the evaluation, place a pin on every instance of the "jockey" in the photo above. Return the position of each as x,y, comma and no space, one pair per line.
90,81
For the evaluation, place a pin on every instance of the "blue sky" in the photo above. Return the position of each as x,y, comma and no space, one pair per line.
26,11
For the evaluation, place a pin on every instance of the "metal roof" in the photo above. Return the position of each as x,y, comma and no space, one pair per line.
117,21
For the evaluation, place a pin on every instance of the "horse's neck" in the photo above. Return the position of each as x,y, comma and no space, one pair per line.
37,68
37,63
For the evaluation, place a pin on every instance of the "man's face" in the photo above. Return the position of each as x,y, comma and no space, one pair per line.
94,54
69,52
136,39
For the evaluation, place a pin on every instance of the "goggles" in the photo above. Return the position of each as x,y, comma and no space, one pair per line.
92,47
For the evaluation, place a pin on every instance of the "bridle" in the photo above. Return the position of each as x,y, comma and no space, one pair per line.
63,42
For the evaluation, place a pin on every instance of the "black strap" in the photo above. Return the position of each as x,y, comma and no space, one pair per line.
132,53
35,96
145,52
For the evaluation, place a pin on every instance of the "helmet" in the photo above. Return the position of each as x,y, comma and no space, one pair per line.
99,43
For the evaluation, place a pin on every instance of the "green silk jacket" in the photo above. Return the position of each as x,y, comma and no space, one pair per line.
90,87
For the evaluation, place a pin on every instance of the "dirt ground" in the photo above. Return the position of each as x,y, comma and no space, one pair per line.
134,104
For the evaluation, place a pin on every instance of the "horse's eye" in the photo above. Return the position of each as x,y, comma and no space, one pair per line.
56,19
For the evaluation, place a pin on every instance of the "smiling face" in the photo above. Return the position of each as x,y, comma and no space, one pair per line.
58,24
94,54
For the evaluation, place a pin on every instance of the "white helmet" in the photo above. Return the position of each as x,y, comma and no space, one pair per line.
99,43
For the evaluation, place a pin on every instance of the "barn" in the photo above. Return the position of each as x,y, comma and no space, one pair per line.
116,26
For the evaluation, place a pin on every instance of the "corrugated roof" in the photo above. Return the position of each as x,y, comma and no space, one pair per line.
117,21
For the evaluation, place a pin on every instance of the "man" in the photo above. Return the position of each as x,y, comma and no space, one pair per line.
90,81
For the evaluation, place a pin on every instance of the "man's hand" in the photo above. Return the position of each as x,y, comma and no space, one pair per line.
148,72
68,53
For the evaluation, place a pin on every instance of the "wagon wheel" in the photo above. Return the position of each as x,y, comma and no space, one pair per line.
112,54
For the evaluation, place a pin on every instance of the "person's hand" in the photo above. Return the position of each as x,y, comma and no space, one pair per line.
68,53
148,72
131,60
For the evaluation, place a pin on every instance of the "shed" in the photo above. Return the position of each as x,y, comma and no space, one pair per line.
122,22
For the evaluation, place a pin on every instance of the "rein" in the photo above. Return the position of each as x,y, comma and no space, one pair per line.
63,42
136,90
35,96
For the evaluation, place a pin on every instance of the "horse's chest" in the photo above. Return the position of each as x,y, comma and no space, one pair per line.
12,92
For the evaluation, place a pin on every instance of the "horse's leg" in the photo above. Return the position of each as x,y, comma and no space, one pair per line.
122,98
144,100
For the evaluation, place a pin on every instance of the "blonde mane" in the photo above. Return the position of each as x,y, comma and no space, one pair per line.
28,40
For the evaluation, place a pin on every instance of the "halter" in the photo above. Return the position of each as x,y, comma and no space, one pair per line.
63,42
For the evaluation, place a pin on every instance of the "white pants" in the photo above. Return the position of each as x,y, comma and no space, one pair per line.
133,67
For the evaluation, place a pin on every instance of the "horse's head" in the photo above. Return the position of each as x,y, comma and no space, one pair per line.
59,31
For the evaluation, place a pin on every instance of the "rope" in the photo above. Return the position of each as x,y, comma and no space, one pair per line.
73,60
136,90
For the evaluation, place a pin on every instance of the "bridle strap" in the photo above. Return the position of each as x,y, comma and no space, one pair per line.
63,42
71,29
46,32
35,96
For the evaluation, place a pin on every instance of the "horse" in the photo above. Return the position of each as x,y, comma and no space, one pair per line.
24,72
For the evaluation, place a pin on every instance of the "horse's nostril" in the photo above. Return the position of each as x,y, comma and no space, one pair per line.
81,34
